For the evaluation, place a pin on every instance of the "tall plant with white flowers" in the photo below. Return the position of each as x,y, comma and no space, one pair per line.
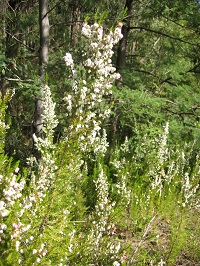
30,209
92,82
35,206
11,184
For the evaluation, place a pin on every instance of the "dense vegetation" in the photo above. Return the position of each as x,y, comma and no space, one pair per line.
99,132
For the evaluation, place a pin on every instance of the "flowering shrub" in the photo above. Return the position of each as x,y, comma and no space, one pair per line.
102,225
158,172
46,167
91,82
27,209
10,184
11,191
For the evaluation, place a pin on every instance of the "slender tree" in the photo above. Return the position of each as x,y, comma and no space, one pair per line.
43,60
121,54
75,22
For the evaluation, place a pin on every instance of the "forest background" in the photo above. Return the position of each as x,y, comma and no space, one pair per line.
98,168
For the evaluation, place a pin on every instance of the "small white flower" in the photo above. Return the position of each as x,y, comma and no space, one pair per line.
89,63
17,245
2,204
34,251
68,60
70,248
4,213
161,263
17,170
86,30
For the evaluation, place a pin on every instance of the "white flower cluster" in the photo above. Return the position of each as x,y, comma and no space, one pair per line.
45,145
49,117
3,126
68,60
101,144
176,167
46,172
19,228
98,64
188,190
41,252
95,32
93,82
101,226
11,191
163,150
103,206
158,173
122,174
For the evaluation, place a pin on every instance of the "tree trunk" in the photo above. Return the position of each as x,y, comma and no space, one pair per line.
75,22
121,53
43,60
44,38
3,8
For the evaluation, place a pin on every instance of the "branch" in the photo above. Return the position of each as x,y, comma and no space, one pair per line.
163,34
167,80
181,113
50,10
151,74
13,37
20,80
194,69
169,19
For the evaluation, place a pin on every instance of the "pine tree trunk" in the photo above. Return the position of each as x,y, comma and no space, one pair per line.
44,38
75,22
121,53
43,60
3,8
